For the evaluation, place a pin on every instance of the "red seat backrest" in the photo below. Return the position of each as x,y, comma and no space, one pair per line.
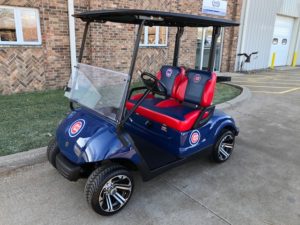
197,87
171,77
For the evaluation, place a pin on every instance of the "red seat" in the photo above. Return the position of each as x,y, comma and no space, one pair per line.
194,93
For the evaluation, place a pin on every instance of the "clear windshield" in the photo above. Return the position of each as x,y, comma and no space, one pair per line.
99,89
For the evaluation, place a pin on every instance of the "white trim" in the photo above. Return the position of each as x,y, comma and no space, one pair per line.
18,27
145,44
242,32
221,49
146,36
72,36
156,35
293,41
202,47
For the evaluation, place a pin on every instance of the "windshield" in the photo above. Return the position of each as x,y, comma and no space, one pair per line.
99,89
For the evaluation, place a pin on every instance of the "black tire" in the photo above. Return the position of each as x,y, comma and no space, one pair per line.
95,189
227,137
52,151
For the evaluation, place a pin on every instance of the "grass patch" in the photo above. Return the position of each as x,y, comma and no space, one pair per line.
225,92
28,120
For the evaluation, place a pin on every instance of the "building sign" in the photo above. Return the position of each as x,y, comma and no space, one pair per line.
215,7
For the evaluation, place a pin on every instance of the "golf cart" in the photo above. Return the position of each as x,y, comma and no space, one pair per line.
113,128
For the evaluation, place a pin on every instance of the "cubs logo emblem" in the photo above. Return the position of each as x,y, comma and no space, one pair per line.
169,72
197,78
195,137
76,127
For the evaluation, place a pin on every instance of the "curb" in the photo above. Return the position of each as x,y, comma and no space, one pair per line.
15,161
245,95
23,159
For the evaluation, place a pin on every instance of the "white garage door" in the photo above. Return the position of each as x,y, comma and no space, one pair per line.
282,39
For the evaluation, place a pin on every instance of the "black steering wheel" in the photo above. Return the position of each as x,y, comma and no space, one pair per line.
153,84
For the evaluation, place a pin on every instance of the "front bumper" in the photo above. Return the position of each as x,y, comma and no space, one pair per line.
68,169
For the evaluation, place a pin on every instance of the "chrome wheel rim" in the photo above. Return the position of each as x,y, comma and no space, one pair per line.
115,193
226,147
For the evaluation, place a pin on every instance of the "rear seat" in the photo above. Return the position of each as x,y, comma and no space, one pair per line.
194,93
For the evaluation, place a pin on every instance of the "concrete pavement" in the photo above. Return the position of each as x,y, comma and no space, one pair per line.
260,184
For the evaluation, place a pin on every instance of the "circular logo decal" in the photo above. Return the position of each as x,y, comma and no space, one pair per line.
76,127
197,78
169,72
195,137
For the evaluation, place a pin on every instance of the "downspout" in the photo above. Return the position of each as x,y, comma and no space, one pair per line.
72,36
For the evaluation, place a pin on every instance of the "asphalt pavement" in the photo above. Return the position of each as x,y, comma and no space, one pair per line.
260,184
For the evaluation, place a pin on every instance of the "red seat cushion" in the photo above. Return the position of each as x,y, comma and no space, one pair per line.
168,103
138,96
178,117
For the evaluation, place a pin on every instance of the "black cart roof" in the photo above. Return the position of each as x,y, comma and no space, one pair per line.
153,18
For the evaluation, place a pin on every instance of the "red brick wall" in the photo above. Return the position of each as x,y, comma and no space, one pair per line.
22,68
116,53
29,68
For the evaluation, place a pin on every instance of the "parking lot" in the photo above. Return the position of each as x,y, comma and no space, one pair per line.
271,82
260,184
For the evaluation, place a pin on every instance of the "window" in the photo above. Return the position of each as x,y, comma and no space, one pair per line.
19,26
284,41
154,36
275,41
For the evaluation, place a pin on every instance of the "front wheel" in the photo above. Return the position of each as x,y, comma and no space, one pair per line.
109,189
223,147
52,152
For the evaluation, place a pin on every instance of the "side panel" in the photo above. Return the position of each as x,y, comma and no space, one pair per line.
159,144
93,140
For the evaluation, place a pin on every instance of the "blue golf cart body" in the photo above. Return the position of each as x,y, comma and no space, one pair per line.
105,142
113,127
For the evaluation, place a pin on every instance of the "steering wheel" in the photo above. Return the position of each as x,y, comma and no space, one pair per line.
153,84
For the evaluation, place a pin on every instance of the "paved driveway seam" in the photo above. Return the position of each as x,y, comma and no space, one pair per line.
198,202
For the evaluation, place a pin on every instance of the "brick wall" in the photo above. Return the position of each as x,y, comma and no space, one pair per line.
22,68
28,68
111,44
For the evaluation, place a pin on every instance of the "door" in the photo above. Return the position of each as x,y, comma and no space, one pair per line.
281,40
204,39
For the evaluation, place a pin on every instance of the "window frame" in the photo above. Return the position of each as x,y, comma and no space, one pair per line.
146,43
19,26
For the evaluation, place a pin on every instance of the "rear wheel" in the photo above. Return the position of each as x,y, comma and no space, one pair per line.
109,189
224,146
52,151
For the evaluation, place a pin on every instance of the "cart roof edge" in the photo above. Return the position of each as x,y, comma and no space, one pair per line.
153,18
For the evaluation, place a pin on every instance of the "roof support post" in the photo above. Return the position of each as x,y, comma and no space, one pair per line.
83,41
212,54
177,45
121,121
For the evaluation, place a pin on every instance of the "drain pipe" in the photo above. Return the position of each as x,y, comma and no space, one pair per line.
72,36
